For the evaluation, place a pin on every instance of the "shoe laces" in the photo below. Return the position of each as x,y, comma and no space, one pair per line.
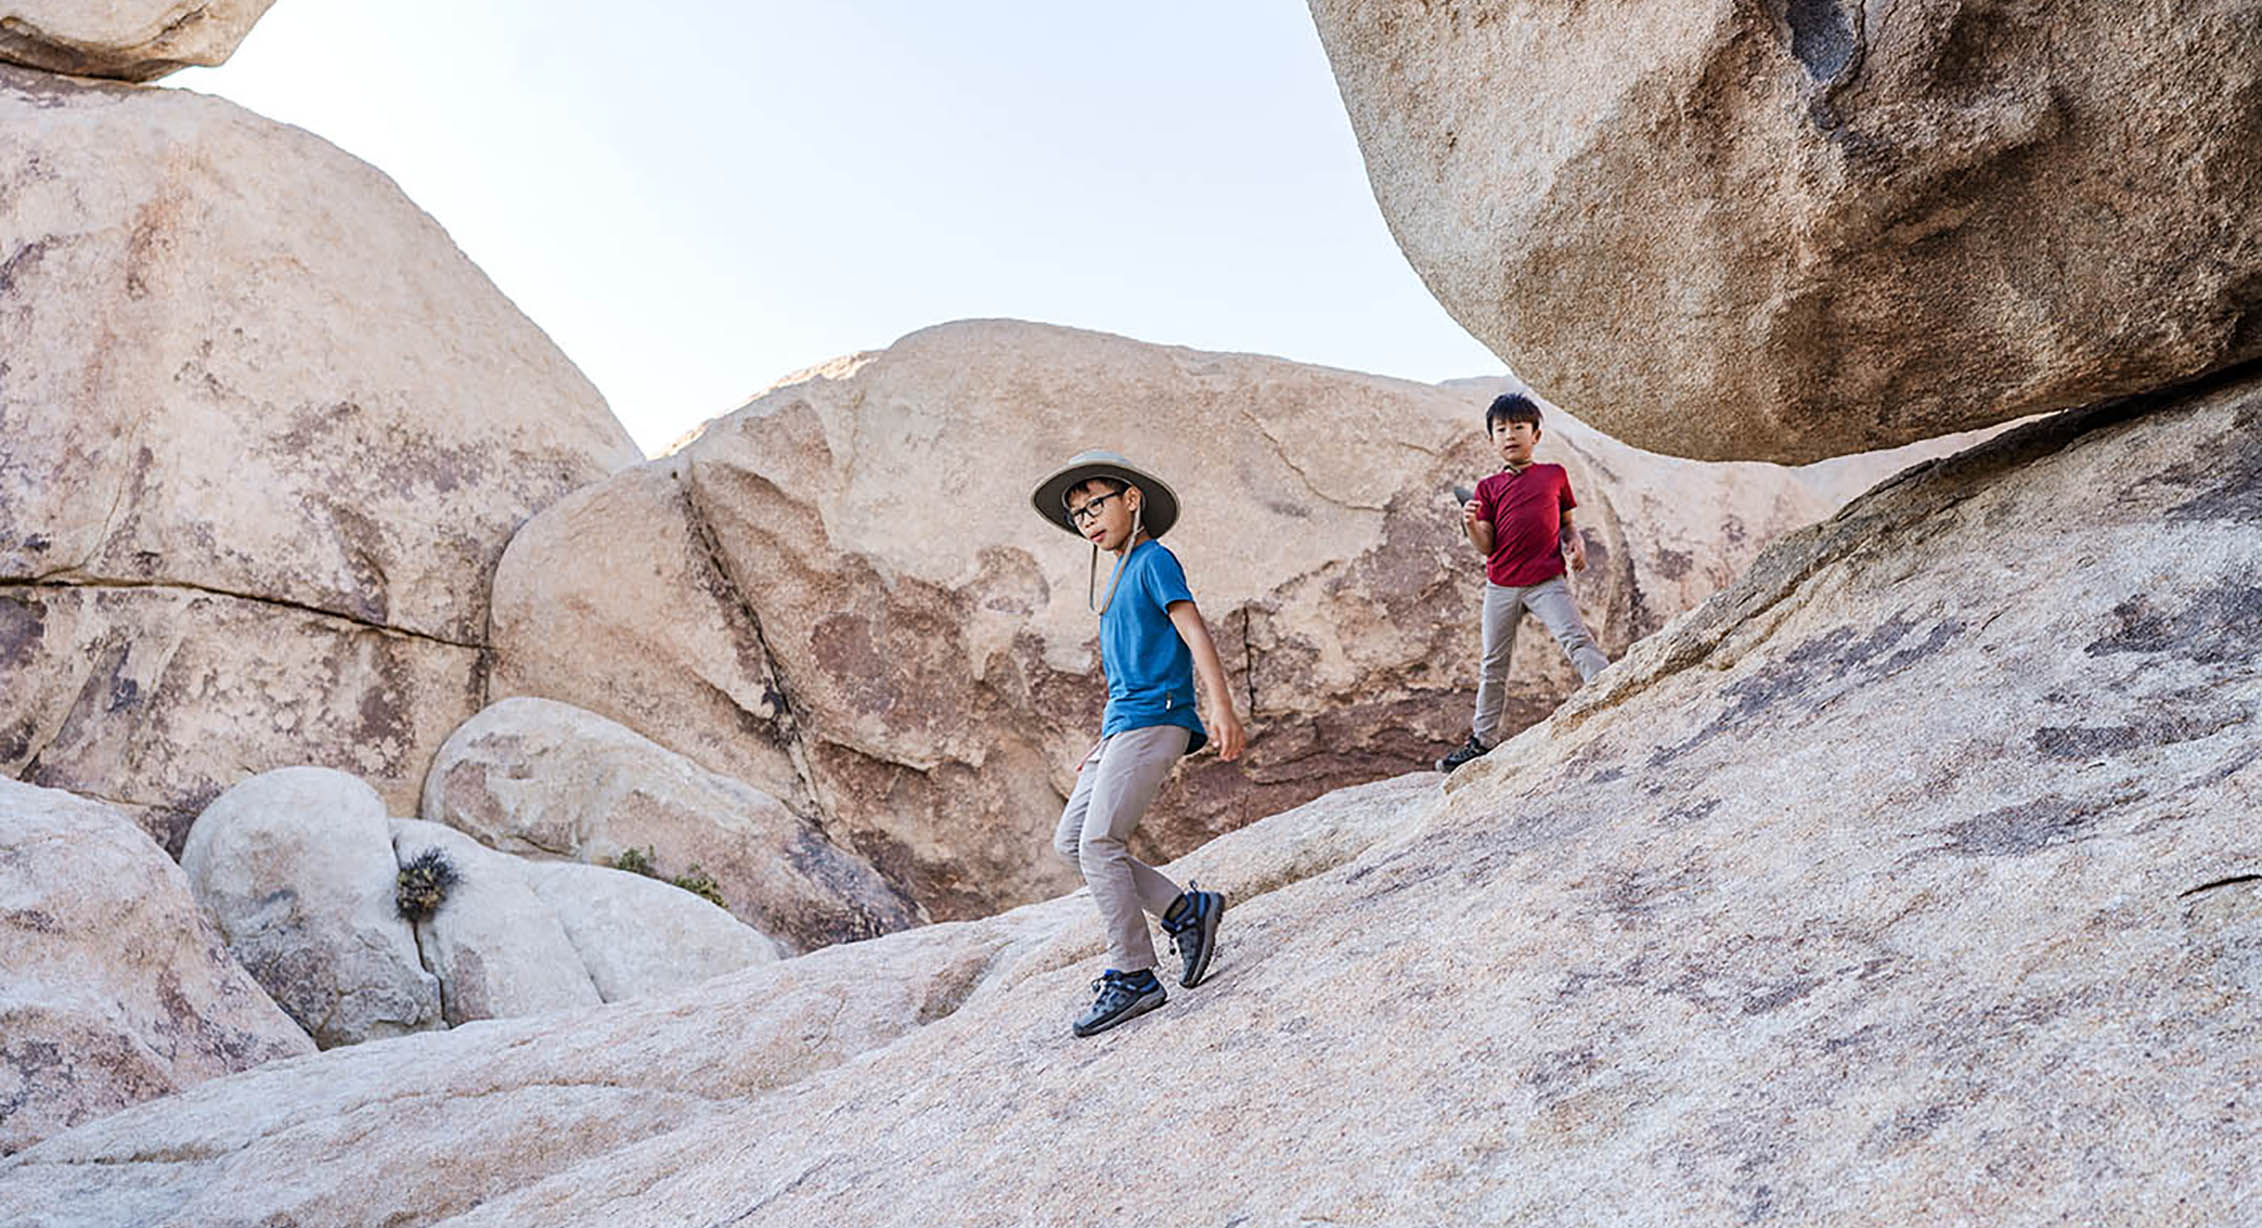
1189,931
1113,983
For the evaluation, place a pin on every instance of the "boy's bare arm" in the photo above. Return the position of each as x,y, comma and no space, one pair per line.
1231,737
1574,546
1479,529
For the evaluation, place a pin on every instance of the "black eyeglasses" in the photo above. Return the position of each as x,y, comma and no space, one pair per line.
1080,516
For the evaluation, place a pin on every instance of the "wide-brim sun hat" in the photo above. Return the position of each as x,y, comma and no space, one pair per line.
1158,505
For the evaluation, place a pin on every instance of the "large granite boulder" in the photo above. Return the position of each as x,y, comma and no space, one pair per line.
670,648
133,40
1789,230
512,1101
265,425
539,778
636,935
840,595
297,868
113,990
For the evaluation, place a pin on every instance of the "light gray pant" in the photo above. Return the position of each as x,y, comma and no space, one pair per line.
1503,610
1119,778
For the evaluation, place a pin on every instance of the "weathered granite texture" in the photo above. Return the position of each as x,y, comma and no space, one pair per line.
349,1139
539,778
268,432
113,990
523,937
296,867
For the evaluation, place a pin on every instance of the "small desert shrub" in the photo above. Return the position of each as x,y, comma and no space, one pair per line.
700,884
422,885
694,880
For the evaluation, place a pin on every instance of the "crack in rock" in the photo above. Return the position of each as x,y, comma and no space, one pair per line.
54,580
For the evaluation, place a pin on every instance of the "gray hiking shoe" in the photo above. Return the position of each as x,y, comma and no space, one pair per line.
1192,926
1471,749
1122,997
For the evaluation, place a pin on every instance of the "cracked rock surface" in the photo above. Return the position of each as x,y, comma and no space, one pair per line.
523,937
266,425
296,867
840,594
1800,228
113,990
301,869
132,40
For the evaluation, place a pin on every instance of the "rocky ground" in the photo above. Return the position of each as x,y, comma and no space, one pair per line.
1909,880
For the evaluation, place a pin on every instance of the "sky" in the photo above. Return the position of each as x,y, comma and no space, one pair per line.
694,198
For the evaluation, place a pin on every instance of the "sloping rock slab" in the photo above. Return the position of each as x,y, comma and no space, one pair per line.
350,1138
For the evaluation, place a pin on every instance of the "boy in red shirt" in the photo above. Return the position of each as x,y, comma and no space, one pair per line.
1520,520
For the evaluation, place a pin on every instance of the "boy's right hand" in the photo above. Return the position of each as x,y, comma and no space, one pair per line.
1472,514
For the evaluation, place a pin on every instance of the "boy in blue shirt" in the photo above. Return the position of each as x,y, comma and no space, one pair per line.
1152,645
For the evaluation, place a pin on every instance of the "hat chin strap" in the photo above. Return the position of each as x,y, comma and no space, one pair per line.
1092,579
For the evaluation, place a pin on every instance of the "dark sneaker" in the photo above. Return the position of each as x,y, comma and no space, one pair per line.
1471,749
1121,996
1192,926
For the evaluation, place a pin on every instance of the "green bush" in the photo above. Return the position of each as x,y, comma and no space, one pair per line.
694,880
699,884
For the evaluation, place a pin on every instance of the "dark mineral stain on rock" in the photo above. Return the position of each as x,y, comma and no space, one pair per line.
2083,742
2220,624
22,262
1780,996
2160,728
2230,487
23,623
1690,812
2030,827
1826,665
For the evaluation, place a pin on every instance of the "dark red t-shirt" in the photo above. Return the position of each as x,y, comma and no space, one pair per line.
1526,510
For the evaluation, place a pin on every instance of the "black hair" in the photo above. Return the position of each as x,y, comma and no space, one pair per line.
1510,407
1115,486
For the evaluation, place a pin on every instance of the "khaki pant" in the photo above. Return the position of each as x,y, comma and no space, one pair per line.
1119,778
1504,608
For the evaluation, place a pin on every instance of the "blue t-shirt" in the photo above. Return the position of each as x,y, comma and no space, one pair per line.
1150,671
